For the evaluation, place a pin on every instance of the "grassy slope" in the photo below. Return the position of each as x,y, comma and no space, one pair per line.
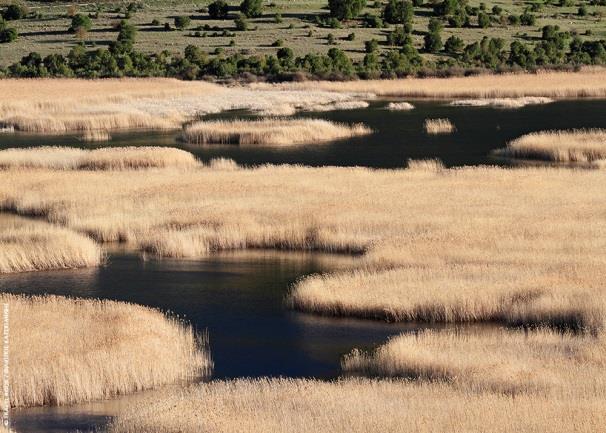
49,33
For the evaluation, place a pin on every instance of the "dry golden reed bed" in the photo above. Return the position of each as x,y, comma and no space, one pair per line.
356,406
587,83
36,245
438,126
502,102
523,246
400,106
110,158
67,350
511,362
581,145
270,131
74,105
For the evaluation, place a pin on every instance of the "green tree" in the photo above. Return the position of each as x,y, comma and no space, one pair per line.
433,38
346,9
241,23
80,21
252,8
7,34
15,11
453,45
483,20
218,10
399,12
182,22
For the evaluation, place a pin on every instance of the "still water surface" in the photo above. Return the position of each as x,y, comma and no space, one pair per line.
398,135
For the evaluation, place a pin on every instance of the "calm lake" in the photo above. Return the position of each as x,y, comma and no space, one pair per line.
398,136
238,297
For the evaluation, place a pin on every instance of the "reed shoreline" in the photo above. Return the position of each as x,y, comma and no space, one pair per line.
73,350
492,260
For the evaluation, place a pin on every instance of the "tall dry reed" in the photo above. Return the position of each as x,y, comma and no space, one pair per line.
27,245
110,158
502,102
586,83
580,145
443,245
356,406
65,105
511,362
438,126
72,350
273,131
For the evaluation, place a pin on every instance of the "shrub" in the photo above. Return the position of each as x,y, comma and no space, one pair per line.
399,37
330,39
252,8
278,18
483,20
371,46
218,10
351,37
80,21
167,27
278,43
514,20
527,19
417,3
453,45
373,21
7,34
15,11
182,22
241,23
155,22
497,10
346,9
582,12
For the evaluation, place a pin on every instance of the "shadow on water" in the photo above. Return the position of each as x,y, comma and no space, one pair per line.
398,135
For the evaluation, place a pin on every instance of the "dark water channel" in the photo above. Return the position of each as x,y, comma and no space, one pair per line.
398,135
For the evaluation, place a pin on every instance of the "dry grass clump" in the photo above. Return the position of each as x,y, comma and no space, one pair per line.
272,131
580,145
493,361
502,102
438,126
223,164
110,158
72,350
429,165
586,83
60,106
92,136
400,106
344,105
35,245
355,406
517,246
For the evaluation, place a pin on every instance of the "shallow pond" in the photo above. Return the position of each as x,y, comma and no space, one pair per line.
398,136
